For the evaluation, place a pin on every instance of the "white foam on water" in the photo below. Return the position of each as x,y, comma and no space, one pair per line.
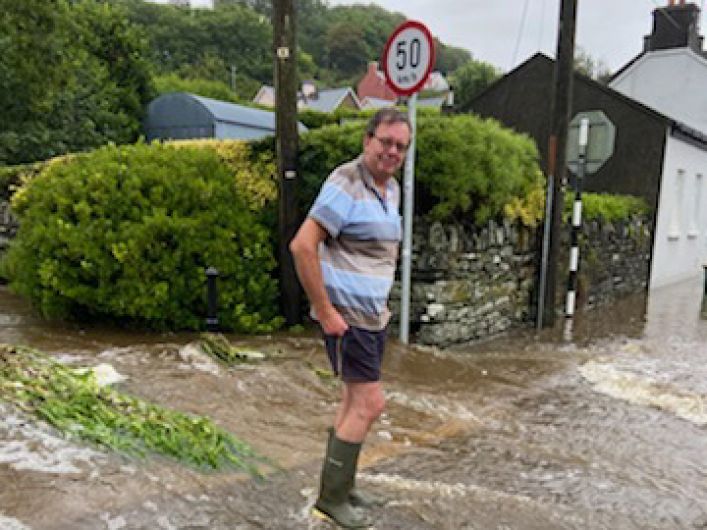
10,523
434,405
195,358
25,445
439,489
608,379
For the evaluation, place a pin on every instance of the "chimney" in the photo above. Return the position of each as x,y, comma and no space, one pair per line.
309,90
372,67
675,26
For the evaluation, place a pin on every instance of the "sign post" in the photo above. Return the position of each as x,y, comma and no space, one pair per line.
408,59
590,143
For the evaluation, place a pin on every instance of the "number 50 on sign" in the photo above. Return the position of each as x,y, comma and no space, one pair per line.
408,57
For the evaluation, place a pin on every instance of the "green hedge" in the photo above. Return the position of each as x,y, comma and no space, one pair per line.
466,167
607,207
126,233
314,119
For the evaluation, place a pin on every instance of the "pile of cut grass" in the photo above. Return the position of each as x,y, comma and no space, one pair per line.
76,405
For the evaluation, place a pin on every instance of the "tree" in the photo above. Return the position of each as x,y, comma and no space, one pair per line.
470,79
73,76
587,65
449,58
347,49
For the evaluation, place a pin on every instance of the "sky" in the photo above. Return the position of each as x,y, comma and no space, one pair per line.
506,32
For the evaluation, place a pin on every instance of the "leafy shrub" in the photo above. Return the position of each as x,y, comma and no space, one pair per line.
314,119
465,167
207,88
471,168
126,233
530,210
254,172
607,207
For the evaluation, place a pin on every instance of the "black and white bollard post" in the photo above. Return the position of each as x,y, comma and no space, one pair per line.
703,310
576,229
211,299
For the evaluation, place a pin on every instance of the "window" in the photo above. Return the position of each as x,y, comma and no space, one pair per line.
676,209
695,217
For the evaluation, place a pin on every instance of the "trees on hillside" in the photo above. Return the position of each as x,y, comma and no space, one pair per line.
470,79
73,75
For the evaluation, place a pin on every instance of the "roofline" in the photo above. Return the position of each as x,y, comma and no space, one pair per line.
677,128
625,67
699,56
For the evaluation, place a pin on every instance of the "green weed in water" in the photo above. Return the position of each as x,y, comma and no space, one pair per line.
77,406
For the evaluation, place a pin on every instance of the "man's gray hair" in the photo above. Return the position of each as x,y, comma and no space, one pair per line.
387,115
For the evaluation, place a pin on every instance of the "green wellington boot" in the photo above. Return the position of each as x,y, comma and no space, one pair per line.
337,471
357,496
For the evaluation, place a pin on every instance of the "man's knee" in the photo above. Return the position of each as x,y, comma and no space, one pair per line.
369,402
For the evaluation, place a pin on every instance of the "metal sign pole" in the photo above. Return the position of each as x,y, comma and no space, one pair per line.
576,228
408,198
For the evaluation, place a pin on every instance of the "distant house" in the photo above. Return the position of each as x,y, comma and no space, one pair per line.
180,115
309,97
376,103
436,82
330,99
265,96
374,91
373,85
207,4
655,157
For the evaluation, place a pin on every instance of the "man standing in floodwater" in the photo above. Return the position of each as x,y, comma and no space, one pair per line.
345,253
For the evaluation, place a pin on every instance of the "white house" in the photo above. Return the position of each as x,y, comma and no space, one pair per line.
680,240
670,76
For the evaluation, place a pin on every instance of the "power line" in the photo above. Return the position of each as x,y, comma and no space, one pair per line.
542,23
520,32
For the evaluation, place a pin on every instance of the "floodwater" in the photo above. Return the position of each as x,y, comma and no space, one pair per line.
528,431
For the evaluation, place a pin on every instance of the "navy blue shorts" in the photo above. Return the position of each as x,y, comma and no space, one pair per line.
358,355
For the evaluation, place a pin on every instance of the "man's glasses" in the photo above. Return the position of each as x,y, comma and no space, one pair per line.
387,143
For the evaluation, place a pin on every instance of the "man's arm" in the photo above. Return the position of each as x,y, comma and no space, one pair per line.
305,251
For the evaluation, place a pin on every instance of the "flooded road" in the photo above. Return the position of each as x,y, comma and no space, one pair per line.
527,431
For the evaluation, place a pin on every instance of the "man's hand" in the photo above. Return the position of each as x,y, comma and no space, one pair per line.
305,251
331,321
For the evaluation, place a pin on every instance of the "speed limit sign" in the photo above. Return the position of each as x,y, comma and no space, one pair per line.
408,57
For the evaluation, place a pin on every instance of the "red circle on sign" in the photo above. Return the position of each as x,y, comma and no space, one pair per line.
408,24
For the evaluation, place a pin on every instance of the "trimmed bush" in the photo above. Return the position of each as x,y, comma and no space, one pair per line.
607,207
530,210
466,168
126,233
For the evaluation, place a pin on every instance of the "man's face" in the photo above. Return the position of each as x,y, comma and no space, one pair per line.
384,152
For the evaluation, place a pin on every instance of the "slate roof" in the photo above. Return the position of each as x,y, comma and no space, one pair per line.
329,99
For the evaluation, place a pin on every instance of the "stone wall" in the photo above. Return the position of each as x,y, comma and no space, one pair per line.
469,284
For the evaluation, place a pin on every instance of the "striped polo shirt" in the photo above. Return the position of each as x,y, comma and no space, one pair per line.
359,256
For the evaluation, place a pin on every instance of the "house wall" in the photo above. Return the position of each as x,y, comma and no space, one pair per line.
374,86
674,82
680,245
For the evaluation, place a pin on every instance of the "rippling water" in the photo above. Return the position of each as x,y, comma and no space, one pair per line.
527,431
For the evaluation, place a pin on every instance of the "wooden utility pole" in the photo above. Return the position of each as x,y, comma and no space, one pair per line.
557,153
285,74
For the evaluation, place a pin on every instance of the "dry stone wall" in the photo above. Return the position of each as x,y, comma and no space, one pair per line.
469,284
